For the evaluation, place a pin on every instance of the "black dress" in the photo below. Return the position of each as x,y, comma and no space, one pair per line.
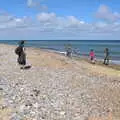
22,57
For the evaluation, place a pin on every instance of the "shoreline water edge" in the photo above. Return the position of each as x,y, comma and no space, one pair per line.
81,56
79,48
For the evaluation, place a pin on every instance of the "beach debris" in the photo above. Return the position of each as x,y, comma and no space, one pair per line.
36,92
2,107
28,104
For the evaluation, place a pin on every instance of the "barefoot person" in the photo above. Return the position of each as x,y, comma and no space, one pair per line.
107,56
20,51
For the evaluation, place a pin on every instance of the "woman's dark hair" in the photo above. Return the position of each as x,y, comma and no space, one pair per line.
21,42
107,49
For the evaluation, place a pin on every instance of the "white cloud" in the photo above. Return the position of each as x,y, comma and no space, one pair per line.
105,13
49,25
51,19
5,17
49,22
36,4
8,21
29,3
46,17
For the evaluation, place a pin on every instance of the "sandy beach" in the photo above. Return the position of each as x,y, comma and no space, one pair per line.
57,88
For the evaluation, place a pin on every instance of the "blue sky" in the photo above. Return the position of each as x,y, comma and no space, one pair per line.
60,19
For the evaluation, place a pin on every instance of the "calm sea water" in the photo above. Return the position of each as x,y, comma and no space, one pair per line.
79,47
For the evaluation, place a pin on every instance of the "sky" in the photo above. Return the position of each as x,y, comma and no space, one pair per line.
60,20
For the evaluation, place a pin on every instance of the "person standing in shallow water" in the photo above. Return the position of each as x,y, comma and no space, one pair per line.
107,56
92,56
20,51
69,51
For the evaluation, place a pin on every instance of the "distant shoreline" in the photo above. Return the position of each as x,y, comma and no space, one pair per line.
84,57
79,47
113,64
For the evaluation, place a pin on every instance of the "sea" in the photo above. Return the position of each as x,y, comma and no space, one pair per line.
79,47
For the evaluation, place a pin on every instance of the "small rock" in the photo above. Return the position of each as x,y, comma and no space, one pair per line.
36,92
22,108
62,113
1,88
36,105
28,105
43,117
3,107
21,89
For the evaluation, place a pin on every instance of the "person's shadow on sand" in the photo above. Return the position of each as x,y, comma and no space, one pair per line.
26,67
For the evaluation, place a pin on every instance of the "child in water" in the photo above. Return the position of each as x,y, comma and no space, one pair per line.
92,56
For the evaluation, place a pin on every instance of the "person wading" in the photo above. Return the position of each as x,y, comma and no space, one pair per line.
69,51
107,56
92,56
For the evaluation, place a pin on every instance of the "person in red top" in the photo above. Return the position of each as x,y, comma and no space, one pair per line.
92,56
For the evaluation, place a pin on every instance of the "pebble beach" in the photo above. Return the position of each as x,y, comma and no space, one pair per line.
56,88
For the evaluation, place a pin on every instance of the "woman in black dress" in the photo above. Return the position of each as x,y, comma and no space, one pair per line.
21,54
